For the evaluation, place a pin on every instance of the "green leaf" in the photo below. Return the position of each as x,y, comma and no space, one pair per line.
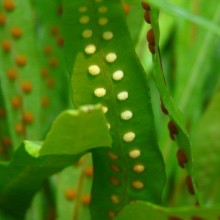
23,176
76,131
141,210
117,177
181,135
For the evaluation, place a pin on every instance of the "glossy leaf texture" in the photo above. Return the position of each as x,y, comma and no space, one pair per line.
104,73
176,124
139,211
27,171
207,163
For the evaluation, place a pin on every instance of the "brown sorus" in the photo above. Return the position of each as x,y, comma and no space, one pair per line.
9,5
6,45
151,48
172,128
2,19
70,194
16,32
147,17
26,87
145,6
189,185
150,37
12,74
28,117
21,60
182,158
89,171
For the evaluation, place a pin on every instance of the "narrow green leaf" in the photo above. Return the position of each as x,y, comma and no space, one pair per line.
180,135
126,101
141,210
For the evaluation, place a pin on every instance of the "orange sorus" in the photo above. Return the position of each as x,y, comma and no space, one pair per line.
6,45
70,194
2,112
21,60
44,72
45,101
16,102
19,128
53,62
16,32
9,5
12,74
26,86
126,8
2,19
47,49
86,200
6,141
89,171
28,117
